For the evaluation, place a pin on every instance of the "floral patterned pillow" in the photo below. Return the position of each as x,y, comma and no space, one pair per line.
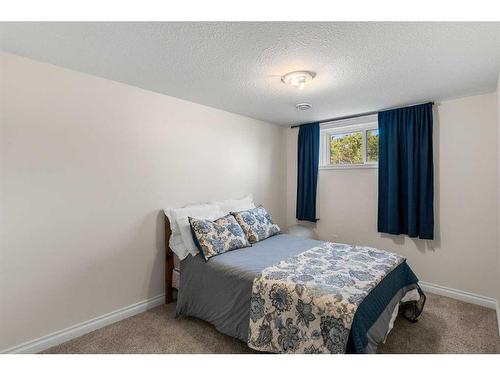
257,224
217,237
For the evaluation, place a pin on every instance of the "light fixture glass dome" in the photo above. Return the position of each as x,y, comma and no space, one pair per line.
298,78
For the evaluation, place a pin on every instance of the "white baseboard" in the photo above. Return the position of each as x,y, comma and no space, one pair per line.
56,338
460,295
498,316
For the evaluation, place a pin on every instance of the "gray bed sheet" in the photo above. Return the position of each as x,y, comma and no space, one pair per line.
219,291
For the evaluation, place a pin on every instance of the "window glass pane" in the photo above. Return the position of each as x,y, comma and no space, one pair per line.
345,148
372,146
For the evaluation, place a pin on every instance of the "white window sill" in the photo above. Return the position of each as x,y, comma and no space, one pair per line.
349,166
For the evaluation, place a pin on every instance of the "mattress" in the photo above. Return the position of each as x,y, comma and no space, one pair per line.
219,291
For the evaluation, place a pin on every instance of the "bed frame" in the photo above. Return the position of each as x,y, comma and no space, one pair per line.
169,263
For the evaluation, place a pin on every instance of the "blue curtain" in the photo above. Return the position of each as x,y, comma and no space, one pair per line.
406,172
307,171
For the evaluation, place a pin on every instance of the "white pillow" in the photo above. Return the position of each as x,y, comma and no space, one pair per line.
175,242
235,205
202,211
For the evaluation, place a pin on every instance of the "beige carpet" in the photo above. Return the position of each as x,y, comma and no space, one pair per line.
446,326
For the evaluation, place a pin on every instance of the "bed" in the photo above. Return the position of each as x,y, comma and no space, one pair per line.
222,292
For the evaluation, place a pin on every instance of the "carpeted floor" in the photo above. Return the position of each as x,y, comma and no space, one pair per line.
446,326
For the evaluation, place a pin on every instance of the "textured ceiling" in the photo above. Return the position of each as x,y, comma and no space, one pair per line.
237,66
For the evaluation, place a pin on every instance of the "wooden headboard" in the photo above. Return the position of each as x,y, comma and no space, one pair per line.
169,263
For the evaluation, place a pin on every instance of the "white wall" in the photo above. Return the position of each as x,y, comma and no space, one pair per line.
86,164
464,254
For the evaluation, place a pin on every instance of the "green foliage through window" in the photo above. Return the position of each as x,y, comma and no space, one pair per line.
346,148
350,144
372,146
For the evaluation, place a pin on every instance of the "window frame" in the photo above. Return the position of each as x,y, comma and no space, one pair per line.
327,129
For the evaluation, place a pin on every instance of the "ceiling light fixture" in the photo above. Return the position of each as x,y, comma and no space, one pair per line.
298,79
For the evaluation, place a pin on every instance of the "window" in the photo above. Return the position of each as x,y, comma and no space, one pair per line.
351,143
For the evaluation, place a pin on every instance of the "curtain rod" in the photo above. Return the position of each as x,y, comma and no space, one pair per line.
364,114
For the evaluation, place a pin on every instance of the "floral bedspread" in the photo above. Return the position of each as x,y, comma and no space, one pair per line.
306,303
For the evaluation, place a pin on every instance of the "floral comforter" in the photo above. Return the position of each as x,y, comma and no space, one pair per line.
306,303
